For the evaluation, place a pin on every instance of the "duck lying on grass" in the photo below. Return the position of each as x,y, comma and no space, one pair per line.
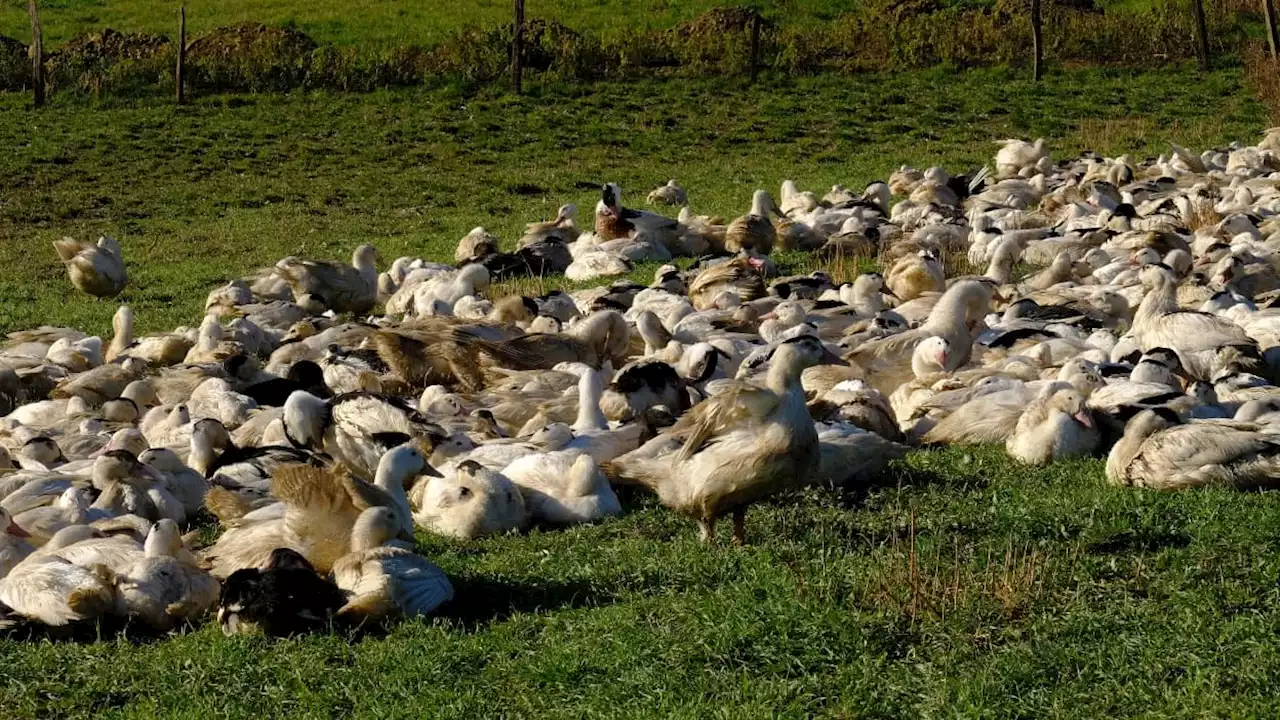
322,437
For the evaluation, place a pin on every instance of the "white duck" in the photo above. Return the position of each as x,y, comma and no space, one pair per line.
1055,425
472,502
94,268
52,591
563,487
738,446
342,288
160,589
355,428
384,581
1157,452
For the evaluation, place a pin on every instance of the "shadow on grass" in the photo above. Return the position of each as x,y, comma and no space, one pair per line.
903,476
86,632
1140,541
479,601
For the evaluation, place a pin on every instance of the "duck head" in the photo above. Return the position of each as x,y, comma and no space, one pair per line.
1071,402
610,204
122,466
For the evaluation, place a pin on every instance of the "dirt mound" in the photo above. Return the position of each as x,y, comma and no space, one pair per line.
544,40
15,68
1016,8
108,46
718,21
251,41
1089,6
251,57
9,46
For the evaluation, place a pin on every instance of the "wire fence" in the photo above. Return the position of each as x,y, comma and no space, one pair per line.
732,42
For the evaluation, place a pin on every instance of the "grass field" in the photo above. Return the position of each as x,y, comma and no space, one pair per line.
198,195
388,21
961,587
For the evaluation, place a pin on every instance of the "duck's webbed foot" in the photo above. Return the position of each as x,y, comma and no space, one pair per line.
740,526
707,530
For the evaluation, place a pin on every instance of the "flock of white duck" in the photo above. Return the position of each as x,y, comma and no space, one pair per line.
321,436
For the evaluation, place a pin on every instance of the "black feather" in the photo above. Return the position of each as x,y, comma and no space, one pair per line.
1007,339
390,440
652,375
286,598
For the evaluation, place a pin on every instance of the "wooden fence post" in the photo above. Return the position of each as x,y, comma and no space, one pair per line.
1202,34
1037,40
755,45
517,46
37,54
1273,32
182,54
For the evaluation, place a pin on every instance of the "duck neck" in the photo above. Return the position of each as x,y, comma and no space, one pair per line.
590,390
123,336
783,376
1161,300
203,453
950,315
390,477
758,206
1000,269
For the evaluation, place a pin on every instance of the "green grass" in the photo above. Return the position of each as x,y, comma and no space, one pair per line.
962,586
1031,594
200,194
382,22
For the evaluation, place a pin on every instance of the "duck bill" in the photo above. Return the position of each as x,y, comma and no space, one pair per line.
889,293
830,358
1083,418
430,471
16,531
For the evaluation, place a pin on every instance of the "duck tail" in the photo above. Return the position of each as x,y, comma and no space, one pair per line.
625,473
67,248
227,506
363,609
96,599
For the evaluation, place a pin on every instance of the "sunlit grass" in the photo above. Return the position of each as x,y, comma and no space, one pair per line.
200,194
962,585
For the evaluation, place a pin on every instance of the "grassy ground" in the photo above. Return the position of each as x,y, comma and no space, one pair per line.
385,21
963,586
200,194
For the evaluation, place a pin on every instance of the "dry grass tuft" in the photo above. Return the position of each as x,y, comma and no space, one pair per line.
927,586
1263,75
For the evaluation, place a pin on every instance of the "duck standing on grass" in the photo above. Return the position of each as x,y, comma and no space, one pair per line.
739,446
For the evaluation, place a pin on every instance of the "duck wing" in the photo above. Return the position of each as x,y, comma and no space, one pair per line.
1206,443
368,414
736,403
312,276
321,506
68,248
536,351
